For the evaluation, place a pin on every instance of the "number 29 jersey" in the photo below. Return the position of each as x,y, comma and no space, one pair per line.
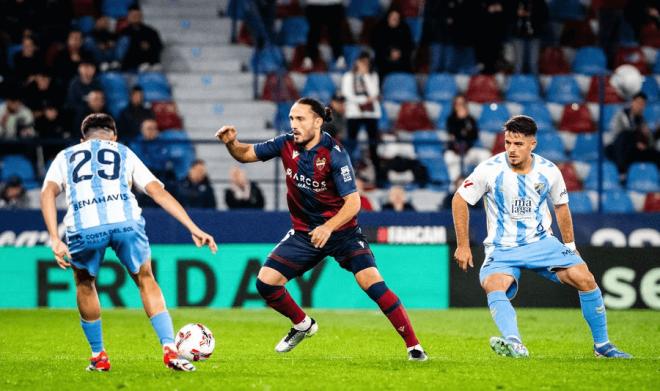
97,176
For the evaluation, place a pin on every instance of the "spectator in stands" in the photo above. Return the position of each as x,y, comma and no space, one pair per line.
530,18
448,26
14,195
243,193
67,60
640,14
392,43
51,125
491,18
94,103
82,85
365,203
259,16
463,133
633,140
16,120
361,91
336,128
28,61
145,45
397,201
103,45
133,115
42,88
149,148
196,190
328,13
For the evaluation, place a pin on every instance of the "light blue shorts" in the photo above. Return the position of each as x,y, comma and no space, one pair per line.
544,257
127,239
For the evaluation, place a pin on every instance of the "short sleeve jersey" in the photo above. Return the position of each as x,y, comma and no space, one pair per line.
97,176
516,206
316,179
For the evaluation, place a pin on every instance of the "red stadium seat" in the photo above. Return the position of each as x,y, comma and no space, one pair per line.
553,62
650,35
577,119
482,89
610,93
498,145
244,35
570,176
167,116
652,202
84,8
279,88
413,116
297,62
290,8
409,8
633,56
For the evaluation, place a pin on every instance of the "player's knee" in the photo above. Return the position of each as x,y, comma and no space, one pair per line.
584,281
266,290
496,283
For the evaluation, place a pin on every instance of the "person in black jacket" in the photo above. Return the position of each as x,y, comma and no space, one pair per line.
131,118
393,44
243,193
196,190
145,46
530,18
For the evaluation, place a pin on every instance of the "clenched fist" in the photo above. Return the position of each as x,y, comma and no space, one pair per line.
226,134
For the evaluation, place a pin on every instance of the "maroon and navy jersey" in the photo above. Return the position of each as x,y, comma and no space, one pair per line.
316,179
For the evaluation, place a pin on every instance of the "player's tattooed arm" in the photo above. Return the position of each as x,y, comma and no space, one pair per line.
243,153
461,214
49,211
565,223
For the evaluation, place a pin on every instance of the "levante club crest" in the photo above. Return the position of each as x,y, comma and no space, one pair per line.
320,163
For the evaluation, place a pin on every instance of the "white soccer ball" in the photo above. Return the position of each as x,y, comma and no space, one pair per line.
195,342
627,81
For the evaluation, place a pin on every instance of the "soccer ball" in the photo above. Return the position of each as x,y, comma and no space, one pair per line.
627,81
195,342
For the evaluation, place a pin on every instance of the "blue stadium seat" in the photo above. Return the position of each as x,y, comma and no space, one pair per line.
652,114
155,85
18,166
445,111
281,121
179,151
617,201
563,89
415,25
643,177
566,10
550,146
580,202
440,87
116,106
609,112
427,145
539,111
319,86
590,60
363,9
586,147
85,24
610,177
114,85
123,43
116,8
351,53
650,88
293,31
493,116
523,88
11,52
267,60
400,87
384,125
438,174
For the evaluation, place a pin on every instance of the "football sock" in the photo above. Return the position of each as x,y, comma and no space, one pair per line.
391,306
162,324
503,314
279,299
93,333
593,310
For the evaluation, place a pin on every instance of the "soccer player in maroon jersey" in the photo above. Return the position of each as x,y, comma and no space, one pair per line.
323,202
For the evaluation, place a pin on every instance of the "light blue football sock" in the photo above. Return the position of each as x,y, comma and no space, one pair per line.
93,334
162,323
503,314
593,310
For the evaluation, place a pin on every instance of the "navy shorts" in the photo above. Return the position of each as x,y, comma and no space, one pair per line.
295,254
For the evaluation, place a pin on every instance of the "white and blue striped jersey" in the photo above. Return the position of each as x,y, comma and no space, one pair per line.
97,176
516,205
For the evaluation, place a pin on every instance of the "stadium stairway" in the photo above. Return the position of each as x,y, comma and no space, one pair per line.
211,87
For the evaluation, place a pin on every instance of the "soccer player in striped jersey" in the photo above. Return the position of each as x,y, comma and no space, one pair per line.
324,203
97,176
515,185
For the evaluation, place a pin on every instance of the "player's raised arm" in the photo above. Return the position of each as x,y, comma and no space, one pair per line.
163,198
461,215
243,153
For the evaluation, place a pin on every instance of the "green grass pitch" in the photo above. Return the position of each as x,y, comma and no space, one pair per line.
353,350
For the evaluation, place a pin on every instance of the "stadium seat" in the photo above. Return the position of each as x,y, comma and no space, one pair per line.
563,89
114,85
351,53
167,115
566,9
550,146
631,55
643,177
279,87
296,64
445,111
492,117
384,125
155,86
410,8
180,151
576,118
412,117
85,24
293,31
608,113
590,60
11,52
84,7
400,87
267,60
617,201
610,93
553,62
482,89
650,88
580,202
577,33
116,106
523,89
415,25
570,177
652,202
281,120
319,86
18,166
437,170
610,177
440,87
363,9
123,43
652,114
650,36
116,8
539,111
586,147
427,145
